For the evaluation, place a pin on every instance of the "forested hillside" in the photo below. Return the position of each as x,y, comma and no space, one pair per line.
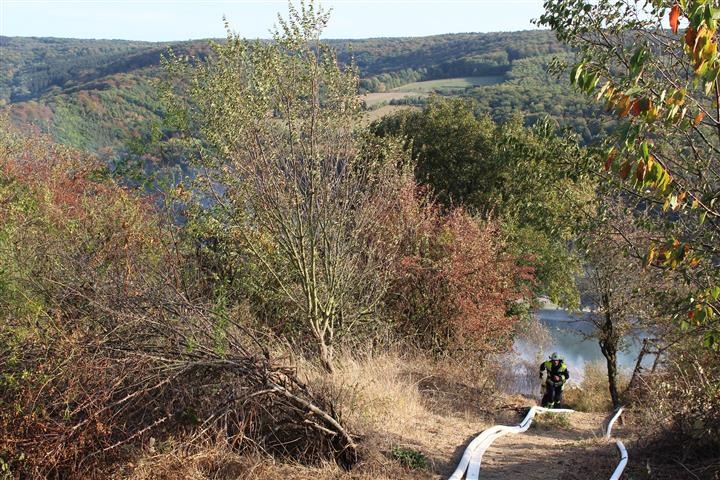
97,94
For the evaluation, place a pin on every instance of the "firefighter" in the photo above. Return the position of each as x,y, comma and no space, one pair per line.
557,375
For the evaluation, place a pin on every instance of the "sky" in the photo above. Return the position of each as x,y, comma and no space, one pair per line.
166,20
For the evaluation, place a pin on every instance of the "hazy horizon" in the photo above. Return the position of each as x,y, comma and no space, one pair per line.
324,37
182,20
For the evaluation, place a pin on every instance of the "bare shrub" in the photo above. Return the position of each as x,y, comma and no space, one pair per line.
679,407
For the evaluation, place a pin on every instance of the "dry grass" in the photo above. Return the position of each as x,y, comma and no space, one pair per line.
592,395
390,400
219,463
373,393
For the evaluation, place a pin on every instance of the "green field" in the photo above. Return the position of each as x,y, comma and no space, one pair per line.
421,89
377,113
373,100
449,84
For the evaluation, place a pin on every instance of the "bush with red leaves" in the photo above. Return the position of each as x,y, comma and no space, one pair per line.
454,283
105,340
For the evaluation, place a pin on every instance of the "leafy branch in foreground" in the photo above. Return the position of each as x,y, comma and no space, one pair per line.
664,89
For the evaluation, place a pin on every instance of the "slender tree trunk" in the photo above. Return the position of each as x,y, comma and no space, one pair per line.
611,359
638,367
608,347
657,361
326,356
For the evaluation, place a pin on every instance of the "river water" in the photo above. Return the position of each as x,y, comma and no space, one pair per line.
569,337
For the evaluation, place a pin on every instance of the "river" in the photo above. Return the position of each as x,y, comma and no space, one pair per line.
568,333
568,336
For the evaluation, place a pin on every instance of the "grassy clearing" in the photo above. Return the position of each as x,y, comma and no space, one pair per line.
373,100
449,84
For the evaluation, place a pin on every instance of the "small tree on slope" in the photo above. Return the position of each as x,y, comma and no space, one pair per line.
290,177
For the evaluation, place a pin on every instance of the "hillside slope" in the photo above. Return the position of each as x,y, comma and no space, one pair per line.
100,94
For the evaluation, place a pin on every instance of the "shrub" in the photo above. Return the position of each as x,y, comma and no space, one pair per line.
409,457
683,402
548,421
454,283
103,340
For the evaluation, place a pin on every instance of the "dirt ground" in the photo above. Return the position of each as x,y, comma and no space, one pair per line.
571,451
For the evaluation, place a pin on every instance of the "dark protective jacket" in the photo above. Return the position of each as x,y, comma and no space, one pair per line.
561,371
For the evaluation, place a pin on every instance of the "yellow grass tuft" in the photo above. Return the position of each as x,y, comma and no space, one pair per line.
592,395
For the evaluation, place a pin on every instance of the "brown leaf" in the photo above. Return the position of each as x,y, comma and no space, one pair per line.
625,107
641,170
681,197
698,118
675,18
610,159
690,37
625,170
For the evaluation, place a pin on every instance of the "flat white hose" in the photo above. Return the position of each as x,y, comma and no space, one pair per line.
623,452
472,457
623,461
611,422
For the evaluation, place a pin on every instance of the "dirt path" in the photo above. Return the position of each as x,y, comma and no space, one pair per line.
553,448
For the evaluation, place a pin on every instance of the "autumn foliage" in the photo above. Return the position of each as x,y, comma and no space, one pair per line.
73,248
454,285
106,341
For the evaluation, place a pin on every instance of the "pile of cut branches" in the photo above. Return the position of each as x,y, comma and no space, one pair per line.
77,398
80,398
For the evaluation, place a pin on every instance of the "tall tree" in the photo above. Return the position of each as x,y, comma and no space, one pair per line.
619,292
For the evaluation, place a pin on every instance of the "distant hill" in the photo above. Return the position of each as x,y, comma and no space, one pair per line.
98,94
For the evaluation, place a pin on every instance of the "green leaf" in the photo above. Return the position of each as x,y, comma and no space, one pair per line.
715,292
709,20
710,340
637,60
575,73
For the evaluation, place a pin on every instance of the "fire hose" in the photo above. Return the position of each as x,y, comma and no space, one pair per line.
621,448
469,465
